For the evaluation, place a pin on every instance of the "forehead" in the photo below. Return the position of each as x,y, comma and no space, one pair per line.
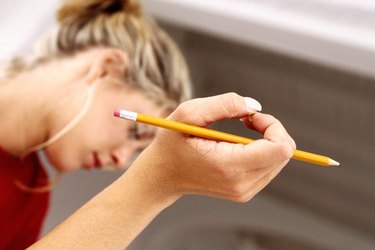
134,99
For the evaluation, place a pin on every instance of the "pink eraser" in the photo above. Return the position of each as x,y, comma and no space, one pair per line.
117,112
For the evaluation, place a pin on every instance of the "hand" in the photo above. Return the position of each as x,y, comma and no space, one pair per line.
176,164
180,164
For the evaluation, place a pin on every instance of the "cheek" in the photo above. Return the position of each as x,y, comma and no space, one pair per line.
116,133
95,135
70,152
62,159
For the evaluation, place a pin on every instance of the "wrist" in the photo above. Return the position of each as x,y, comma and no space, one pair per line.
151,173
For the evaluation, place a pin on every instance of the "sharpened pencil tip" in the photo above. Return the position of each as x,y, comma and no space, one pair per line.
333,163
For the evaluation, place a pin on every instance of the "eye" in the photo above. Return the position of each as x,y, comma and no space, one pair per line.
140,132
134,132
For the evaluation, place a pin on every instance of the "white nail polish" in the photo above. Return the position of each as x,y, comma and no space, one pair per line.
252,105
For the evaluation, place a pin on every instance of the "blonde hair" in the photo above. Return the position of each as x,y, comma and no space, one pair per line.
155,63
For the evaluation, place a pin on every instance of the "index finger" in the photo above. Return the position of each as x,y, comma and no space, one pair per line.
270,127
276,147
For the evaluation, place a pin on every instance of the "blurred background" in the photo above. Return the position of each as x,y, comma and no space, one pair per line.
311,64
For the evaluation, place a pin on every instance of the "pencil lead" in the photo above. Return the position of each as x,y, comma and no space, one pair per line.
333,163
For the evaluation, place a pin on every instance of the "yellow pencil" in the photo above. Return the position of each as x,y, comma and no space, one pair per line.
214,135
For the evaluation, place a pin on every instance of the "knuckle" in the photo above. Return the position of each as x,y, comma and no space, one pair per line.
243,198
247,196
231,103
237,191
183,106
293,143
286,151
277,122
231,95
183,110
271,118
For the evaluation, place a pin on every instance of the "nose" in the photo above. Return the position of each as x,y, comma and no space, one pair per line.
121,157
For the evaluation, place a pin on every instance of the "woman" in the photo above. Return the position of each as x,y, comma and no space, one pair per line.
104,55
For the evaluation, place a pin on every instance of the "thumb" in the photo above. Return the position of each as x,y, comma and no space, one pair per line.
204,111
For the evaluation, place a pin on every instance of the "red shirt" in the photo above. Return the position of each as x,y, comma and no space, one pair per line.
21,212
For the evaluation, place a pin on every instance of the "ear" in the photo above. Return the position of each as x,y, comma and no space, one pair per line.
107,62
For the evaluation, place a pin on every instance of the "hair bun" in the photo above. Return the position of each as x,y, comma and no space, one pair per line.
73,9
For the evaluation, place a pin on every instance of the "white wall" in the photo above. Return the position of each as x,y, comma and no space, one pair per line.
22,23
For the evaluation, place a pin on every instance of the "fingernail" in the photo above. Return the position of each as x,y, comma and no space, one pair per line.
252,105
